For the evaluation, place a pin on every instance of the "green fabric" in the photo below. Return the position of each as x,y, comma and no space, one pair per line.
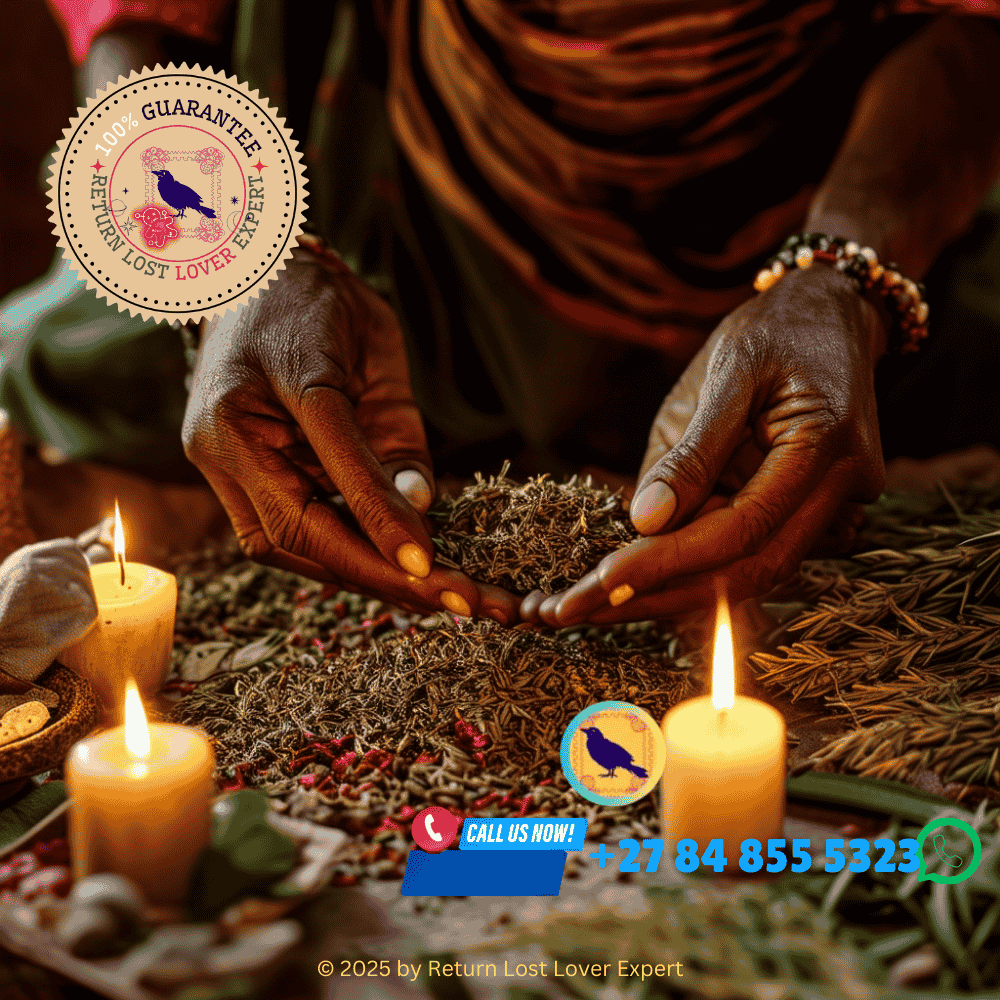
18,819
88,379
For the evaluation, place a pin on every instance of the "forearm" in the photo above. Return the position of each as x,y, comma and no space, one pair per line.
923,147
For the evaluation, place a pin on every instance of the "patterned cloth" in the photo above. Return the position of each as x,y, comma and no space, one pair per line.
47,603
522,176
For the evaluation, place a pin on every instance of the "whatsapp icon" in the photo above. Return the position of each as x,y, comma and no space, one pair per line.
951,863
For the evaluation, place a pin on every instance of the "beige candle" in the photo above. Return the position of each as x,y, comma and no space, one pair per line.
141,799
134,632
725,769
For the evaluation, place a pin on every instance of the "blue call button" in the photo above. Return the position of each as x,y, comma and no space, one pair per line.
540,833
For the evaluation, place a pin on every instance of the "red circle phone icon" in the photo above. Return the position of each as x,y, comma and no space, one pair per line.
434,828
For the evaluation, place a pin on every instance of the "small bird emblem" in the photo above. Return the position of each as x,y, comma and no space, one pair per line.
179,196
610,755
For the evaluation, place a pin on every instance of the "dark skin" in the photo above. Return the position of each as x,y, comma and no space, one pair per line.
308,394
779,404
770,432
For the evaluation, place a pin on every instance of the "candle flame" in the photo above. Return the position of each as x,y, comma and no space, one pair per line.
723,667
119,535
136,729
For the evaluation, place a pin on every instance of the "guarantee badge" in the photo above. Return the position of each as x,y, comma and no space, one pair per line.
613,753
177,193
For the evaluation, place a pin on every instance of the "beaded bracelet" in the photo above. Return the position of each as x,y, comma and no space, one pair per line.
903,298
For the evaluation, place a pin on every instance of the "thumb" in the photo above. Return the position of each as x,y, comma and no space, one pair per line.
395,433
679,477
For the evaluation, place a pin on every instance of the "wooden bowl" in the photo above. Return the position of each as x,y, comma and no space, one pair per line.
75,717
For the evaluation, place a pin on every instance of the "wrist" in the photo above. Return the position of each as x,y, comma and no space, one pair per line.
898,301
818,289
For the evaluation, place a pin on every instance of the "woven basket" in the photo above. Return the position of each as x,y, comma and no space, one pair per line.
75,717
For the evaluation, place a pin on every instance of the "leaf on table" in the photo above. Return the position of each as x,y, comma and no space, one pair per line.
204,660
257,652
18,819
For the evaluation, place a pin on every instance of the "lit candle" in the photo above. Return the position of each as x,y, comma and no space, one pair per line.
134,632
725,767
141,799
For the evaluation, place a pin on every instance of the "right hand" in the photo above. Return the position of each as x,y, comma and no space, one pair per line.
306,393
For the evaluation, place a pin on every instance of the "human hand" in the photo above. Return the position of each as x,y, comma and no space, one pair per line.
306,393
779,406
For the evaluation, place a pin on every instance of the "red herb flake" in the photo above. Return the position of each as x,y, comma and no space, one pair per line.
381,759
339,765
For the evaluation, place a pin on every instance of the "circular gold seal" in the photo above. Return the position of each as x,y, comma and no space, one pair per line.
613,753
177,193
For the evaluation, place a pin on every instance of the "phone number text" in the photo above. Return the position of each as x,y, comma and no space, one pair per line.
857,854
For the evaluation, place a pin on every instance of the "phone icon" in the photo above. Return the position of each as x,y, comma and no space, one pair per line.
938,840
951,862
434,828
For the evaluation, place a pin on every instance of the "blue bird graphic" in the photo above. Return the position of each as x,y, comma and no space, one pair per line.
179,196
610,755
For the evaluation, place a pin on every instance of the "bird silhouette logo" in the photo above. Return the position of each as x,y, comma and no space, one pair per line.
610,755
625,743
179,196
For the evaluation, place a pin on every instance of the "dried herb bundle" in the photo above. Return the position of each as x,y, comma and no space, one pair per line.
959,739
906,641
539,535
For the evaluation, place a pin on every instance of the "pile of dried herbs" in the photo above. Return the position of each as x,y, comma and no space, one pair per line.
538,535
903,640
355,714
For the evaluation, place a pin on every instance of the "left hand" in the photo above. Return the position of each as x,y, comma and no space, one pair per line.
779,408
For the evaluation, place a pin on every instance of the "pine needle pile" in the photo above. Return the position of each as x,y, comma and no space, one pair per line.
539,535
353,713
904,639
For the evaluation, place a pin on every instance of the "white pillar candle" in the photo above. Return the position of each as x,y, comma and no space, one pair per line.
725,766
134,632
141,797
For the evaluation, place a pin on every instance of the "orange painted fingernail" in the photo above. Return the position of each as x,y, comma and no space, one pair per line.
622,593
456,603
412,558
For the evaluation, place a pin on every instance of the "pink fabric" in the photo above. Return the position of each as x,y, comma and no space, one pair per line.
83,20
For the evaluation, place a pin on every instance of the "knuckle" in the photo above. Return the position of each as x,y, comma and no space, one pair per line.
283,523
373,515
255,544
755,523
686,464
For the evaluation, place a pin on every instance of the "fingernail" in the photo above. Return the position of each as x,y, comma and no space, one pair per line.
622,593
456,603
653,507
412,558
548,606
414,487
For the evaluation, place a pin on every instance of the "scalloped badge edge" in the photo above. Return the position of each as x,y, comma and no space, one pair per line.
61,192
